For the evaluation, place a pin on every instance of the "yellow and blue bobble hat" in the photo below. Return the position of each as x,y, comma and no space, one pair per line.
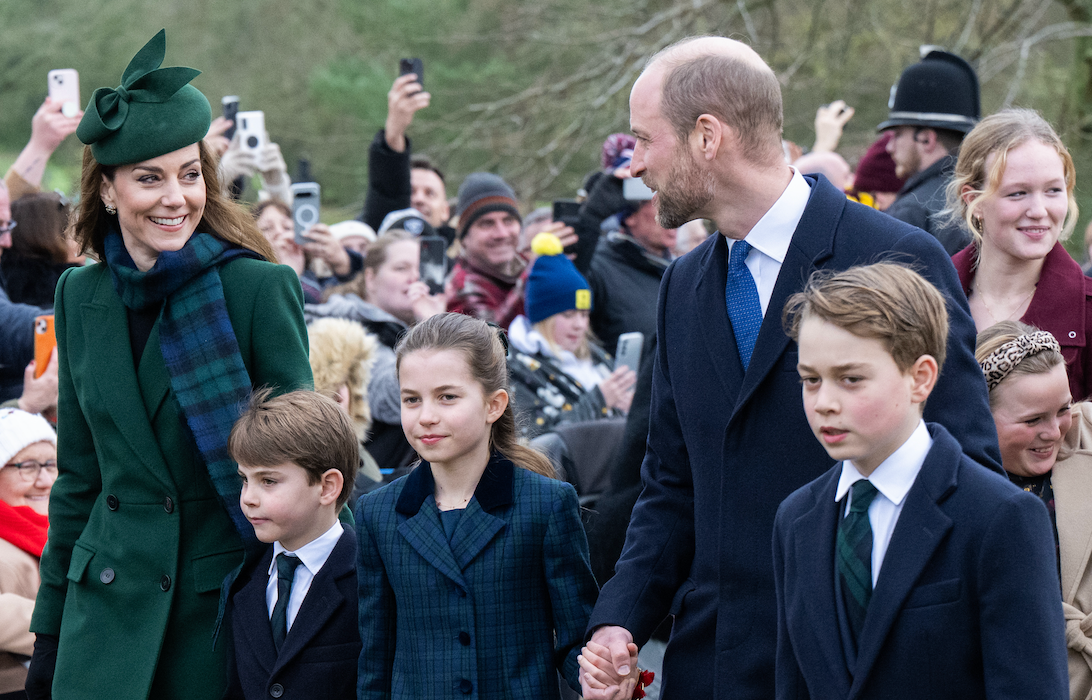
554,286
153,112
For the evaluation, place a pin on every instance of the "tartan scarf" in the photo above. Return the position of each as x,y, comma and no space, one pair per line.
198,345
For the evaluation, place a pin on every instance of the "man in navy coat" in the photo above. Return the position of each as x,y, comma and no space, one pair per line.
729,441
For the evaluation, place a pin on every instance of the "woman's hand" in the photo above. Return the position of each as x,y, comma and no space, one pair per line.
425,305
617,388
322,244
40,393
43,665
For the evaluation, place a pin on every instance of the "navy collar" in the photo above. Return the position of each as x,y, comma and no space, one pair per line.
494,490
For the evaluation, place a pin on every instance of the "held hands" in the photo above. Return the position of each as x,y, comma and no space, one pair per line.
617,388
322,244
215,140
40,395
608,665
49,126
403,101
271,164
829,122
566,234
425,305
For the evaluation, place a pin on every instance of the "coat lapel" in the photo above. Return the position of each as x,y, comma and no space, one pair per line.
1072,480
921,527
720,341
322,601
475,530
250,604
814,543
812,243
106,329
425,533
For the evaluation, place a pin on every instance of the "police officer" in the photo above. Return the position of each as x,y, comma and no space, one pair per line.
933,106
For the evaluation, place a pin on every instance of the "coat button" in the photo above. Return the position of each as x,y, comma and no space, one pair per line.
168,504
165,583
112,502
464,639
276,690
107,575
465,686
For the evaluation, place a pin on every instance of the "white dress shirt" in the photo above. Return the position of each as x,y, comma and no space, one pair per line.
312,557
892,479
770,237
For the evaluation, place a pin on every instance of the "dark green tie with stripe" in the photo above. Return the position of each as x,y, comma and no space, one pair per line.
286,572
855,556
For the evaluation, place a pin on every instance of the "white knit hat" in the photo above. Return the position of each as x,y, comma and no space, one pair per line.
19,430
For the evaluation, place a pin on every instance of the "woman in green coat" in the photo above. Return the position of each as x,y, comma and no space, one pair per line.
159,344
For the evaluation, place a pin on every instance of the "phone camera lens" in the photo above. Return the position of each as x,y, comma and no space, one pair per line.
252,141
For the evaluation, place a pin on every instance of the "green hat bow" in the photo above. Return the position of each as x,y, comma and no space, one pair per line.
154,111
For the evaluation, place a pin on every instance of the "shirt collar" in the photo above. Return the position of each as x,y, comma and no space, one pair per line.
896,474
773,232
313,554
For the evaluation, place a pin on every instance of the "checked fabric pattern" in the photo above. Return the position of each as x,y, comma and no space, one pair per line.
741,296
855,555
286,573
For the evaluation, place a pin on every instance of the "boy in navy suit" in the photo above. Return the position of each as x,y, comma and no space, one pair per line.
907,570
294,614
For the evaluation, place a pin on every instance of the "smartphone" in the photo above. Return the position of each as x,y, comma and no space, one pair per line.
635,190
230,103
305,208
64,87
45,339
628,352
567,211
433,262
251,127
415,66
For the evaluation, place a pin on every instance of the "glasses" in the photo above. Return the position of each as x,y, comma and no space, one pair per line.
7,228
30,469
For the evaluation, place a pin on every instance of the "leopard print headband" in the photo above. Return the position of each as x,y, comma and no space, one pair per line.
1004,359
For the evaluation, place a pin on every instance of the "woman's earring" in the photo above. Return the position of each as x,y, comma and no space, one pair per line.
111,209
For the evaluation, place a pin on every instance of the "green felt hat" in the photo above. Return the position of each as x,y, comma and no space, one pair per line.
154,111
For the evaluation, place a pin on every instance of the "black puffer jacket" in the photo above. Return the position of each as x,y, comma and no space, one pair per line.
625,284
921,201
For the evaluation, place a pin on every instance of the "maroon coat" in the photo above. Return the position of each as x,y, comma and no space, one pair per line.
1062,304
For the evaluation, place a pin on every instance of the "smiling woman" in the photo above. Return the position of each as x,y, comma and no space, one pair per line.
1013,188
158,345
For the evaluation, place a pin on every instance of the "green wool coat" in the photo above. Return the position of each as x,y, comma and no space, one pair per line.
138,541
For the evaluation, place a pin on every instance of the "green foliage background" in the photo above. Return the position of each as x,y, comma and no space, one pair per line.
530,89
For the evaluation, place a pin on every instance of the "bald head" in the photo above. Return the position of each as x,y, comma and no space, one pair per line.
832,165
724,78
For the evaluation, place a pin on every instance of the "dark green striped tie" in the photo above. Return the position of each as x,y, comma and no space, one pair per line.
855,556
286,572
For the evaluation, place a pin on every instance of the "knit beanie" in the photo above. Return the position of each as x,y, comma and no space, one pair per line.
554,286
19,430
481,194
876,169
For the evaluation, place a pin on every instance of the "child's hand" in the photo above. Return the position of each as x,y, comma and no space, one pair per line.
598,678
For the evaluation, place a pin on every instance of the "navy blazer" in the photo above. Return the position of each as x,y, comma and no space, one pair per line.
494,613
725,449
965,606
319,655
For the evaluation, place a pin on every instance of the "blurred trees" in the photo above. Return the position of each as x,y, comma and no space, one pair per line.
531,89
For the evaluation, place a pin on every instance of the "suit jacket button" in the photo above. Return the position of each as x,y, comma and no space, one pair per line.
165,583
107,575
464,639
168,504
112,502
276,690
465,686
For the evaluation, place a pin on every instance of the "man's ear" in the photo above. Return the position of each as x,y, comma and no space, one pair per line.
927,140
332,482
709,136
923,374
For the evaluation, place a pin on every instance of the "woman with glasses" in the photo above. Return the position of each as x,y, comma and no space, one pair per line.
159,345
28,454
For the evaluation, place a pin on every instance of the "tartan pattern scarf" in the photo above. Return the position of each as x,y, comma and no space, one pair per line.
198,345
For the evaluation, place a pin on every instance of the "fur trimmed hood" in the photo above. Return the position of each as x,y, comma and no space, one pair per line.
342,352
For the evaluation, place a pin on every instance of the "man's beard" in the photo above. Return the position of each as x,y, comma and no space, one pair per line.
689,190
909,166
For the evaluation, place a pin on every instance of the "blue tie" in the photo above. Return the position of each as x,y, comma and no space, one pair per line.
741,295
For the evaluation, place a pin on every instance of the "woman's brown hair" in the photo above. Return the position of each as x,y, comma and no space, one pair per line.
222,217
485,355
42,218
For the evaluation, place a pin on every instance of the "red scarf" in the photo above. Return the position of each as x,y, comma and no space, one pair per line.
23,527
